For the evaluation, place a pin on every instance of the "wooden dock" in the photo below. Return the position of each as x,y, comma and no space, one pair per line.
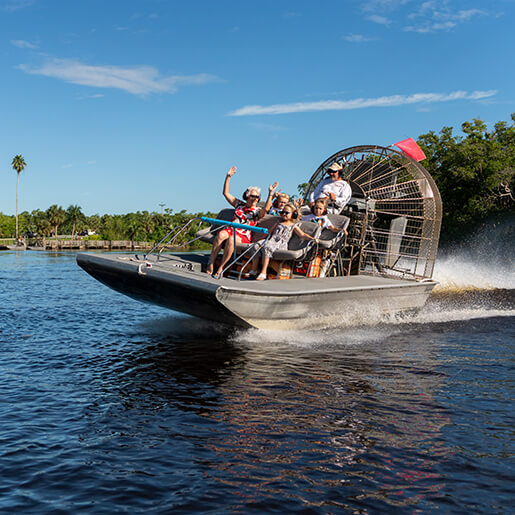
69,244
77,244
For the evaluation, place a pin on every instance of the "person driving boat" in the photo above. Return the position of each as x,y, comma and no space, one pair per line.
337,191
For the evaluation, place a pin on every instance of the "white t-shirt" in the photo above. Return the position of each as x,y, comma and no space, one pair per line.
341,189
323,221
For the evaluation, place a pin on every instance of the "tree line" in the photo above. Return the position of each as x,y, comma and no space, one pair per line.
474,171
139,226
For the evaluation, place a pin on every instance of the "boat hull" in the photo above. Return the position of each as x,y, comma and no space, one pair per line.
268,304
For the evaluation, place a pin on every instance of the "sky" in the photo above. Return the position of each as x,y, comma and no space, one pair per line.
123,105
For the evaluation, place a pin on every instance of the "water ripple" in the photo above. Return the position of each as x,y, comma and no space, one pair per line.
112,406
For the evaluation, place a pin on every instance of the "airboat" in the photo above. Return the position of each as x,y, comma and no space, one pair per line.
381,261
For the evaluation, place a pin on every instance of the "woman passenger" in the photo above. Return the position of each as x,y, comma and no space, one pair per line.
246,212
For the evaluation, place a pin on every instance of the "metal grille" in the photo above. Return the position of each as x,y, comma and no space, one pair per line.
402,206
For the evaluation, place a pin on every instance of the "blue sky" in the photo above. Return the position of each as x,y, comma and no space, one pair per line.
121,105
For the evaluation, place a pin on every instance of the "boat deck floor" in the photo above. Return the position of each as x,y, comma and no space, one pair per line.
299,284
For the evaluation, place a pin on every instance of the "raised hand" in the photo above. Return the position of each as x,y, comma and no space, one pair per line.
272,187
231,171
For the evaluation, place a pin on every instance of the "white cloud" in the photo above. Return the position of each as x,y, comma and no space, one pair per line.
459,16
360,103
20,43
382,5
425,17
139,80
382,20
357,38
435,17
14,5
431,27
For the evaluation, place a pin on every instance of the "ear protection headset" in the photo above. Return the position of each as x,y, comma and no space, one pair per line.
295,213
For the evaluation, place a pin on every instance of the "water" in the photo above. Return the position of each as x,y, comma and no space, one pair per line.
113,406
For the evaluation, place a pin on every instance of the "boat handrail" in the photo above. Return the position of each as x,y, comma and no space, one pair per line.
170,237
235,225
174,233
252,228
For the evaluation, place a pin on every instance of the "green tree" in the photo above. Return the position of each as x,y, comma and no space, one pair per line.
112,227
475,173
18,165
147,224
7,225
74,215
56,216
93,223
41,223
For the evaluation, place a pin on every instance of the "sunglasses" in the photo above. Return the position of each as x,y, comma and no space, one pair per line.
252,196
333,171
284,212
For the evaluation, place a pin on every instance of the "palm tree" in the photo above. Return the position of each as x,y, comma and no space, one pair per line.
75,215
18,165
56,215
147,224
41,223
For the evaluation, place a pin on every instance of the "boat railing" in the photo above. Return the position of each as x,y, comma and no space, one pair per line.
169,240
171,237
252,247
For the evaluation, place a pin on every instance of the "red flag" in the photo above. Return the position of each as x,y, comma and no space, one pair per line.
409,146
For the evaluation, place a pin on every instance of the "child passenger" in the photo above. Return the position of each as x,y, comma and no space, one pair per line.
279,239
280,200
318,216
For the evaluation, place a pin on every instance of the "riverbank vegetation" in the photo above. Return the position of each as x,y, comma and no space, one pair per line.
474,170
475,173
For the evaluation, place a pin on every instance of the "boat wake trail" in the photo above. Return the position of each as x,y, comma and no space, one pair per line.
474,283
472,286
485,261
476,280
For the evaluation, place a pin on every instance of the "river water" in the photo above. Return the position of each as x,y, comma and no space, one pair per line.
113,406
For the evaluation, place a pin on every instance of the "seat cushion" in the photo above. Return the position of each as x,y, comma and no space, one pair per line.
208,234
267,222
330,239
286,255
310,228
297,247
